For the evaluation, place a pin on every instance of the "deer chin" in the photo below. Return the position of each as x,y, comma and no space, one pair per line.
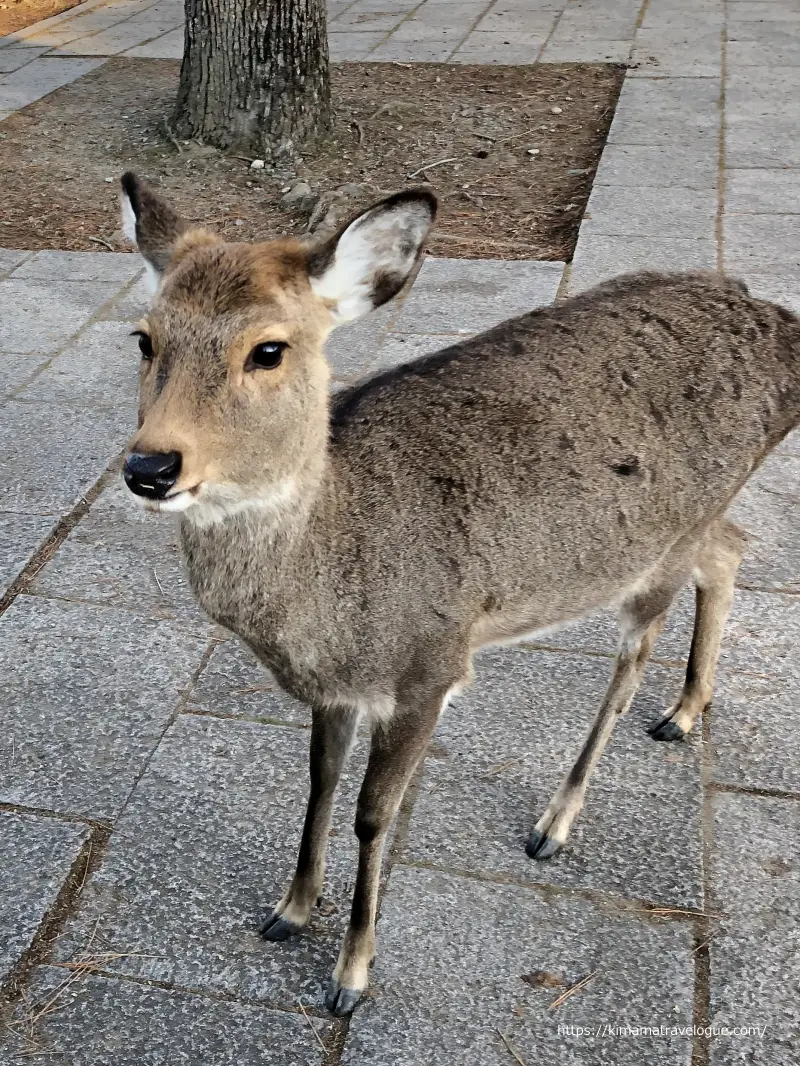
215,503
174,503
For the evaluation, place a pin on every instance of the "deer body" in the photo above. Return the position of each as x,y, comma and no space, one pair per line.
508,484
576,457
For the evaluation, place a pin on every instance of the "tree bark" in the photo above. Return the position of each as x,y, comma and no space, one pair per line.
255,75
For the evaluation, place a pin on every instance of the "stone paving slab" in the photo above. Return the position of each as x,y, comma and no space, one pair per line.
100,1021
38,854
468,295
98,368
11,258
121,556
762,191
87,692
50,455
645,212
80,266
353,346
587,51
755,962
37,315
452,957
687,110
598,258
403,348
38,78
762,243
170,46
14,58
755,743
503,747
643,166
206,847
234,684
771,518
20,536
16,370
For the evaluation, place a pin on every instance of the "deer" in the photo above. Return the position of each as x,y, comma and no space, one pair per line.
366,544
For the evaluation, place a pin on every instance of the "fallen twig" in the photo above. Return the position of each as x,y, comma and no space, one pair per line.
683,910
99,240
511,1048
704,944
430,166
493,771
155,575
313,1027
571,991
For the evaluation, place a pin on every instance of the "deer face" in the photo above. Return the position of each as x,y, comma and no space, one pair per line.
233,382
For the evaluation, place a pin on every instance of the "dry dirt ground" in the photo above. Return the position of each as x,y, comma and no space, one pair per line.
512,152
17,14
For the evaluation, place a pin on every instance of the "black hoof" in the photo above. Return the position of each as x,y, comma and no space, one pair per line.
541,846
667,730
276,928
340,1001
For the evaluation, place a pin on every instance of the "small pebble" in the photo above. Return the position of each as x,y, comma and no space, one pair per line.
109,180
239,222
257,164
533,151
556,110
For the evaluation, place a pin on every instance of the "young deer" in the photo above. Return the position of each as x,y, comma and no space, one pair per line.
365,546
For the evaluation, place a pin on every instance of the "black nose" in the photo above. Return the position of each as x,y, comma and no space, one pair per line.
152,475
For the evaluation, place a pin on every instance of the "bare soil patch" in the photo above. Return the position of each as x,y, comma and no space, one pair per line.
511,151
17,14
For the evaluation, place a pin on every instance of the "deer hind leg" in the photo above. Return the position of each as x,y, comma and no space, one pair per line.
332,734
715,574
641,620
396,749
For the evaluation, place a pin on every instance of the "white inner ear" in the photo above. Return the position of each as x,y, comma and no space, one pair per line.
128,217
152,280
380,241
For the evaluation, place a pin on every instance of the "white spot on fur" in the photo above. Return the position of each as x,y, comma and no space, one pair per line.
379,241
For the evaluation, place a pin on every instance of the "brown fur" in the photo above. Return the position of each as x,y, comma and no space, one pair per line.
578,456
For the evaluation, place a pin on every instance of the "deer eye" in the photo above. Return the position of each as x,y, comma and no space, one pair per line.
145,344
266,356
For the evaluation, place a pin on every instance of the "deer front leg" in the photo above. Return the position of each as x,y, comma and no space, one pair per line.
394,754
332,735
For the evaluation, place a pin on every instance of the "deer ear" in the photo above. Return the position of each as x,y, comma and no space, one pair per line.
150,223
370,259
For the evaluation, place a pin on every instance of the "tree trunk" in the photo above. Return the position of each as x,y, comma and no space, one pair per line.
255,75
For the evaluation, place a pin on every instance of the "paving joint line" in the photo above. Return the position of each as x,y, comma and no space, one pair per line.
171,719
719,222
701,997
650,910
473,26
760,793
52,925
58,535
550,35
60,816
221,716
86,36
389,33
70,341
